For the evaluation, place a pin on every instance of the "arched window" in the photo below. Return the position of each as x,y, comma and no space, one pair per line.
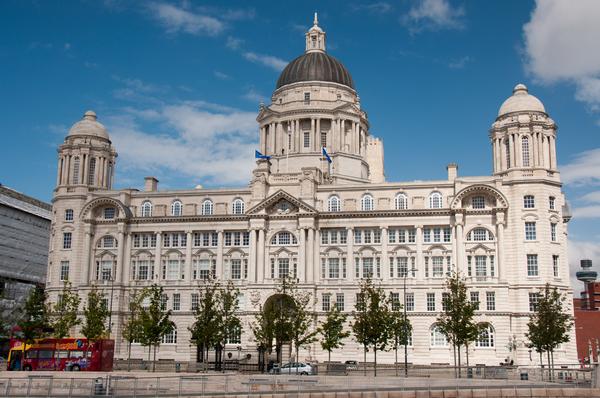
170,338
367,203
147,209
207,207
435,200
438,339
176,208
486,336
284,238
92,171
507,148
401,202
76,170
525,151
107,242
238,206
334,203
480,235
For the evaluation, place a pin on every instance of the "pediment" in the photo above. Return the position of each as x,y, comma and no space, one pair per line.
281,203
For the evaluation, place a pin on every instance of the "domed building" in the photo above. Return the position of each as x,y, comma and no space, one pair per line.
319,210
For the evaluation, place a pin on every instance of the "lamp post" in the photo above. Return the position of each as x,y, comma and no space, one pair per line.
405,323
112,288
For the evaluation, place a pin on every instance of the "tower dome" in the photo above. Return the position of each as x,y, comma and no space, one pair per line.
89,126
315,64
521,101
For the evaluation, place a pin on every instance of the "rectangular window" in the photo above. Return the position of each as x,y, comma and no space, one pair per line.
411,235
69,215
437,234
64,270
173,269
480,266
445,298
478,202
201,269
410,302
555,268
106,270
402,267
306,98
164,299
395,299
392,236
237,239
532,265
553,232
430,301
195,301
343,237
490,298
437,266
109,213
176,301
227,238
534,298
367,267
447,234
143,268
530,233
323,138
475,300
377,236
339,301
426,235
67,240
245,238
236,269
283,267
326,301
334,268
552,203
529,201
306,139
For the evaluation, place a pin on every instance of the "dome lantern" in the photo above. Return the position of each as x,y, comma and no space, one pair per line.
315,37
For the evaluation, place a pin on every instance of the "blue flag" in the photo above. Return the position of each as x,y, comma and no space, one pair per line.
258,155
326,155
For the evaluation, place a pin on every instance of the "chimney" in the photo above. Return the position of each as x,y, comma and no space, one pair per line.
150,184
452,171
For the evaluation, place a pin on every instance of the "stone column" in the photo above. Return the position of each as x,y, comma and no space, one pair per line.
260,260
343,142
84,168
252,259
553,153
127,259
158,257
312,135
120,253
302,254
350,253
59,171
500,269
219,271
318,142
419,261
188,255
317,257
385,261
310,256
540,150
87,254
511,141
533,150
106,176
460,247
67,173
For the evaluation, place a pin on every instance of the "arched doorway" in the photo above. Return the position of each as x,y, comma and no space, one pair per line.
277,315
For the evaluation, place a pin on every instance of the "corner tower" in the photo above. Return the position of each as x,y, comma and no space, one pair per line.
315,106
524,138
86,160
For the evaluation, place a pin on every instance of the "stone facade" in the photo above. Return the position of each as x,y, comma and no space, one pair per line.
327,224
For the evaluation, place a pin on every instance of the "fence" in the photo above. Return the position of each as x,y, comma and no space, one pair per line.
119,385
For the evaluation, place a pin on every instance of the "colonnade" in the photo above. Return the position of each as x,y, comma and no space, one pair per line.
86,169
287,136
508,151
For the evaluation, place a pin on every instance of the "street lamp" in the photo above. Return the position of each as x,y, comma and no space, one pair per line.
405,323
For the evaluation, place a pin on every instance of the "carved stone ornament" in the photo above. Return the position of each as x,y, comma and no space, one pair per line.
254,298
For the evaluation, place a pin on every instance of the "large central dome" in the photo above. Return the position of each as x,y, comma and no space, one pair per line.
315,66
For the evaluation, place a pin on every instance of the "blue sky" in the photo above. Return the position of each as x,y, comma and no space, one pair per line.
178,84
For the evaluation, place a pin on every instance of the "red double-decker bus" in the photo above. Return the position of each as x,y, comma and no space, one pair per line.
61,354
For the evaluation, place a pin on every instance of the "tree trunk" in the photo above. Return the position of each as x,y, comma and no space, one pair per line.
549,366
396,349
552,363
328,360
454,350
467,349
154,360
129,357
459,373
365,359
375,358
542,365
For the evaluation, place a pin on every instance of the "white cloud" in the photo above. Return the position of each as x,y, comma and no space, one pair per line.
587,212
221,76
200,141
459,63
268,60
591,197
233,43
584,169
253,95
433,15
379,7
177,19
561,42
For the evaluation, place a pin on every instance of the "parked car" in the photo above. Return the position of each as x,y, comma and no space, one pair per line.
294,368
351,365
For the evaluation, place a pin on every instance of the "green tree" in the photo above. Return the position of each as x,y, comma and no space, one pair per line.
155,320
371,324
132,328
95,313
456,320
332,331
35,321
206,330
549,325
300,322
63,313
400,329
262,329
